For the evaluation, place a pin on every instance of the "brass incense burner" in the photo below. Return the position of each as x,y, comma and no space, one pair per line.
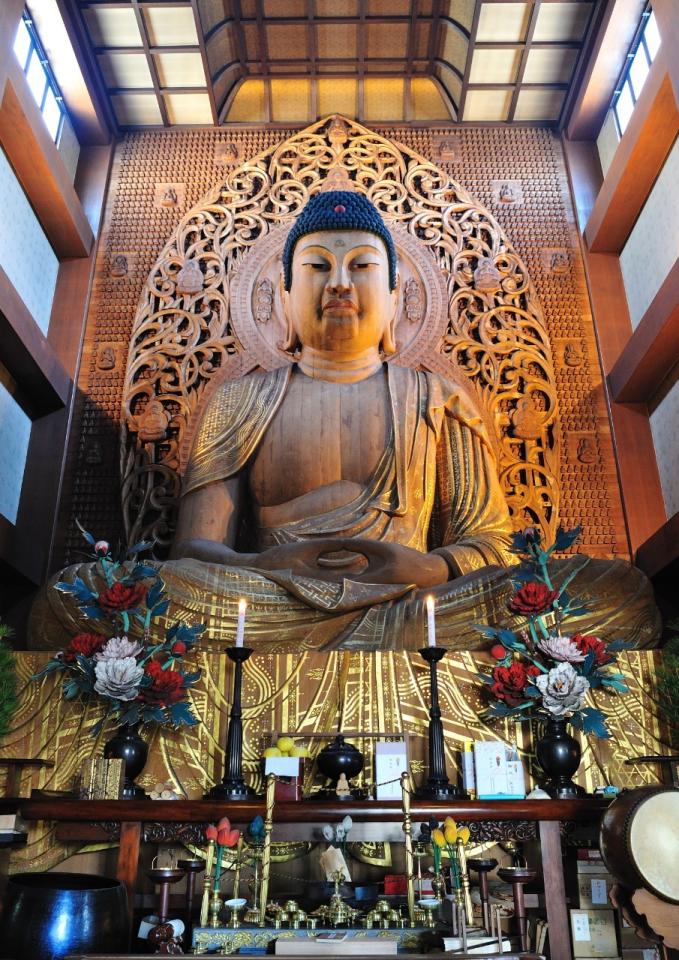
290,914
383,916
337,913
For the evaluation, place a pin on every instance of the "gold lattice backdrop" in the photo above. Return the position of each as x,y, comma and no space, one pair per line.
315,693
517,174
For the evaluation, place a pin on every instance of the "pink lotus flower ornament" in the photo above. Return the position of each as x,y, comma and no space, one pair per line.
562,649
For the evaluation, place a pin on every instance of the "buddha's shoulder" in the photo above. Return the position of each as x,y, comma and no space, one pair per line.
250,387
440,389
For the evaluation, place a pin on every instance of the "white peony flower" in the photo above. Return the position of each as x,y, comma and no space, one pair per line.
563,690
119,648
561,648
118,679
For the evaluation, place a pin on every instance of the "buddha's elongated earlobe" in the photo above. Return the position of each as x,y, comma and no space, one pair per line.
388,338
291,344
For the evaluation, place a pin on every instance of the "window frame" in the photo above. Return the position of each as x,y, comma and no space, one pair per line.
639,43
50,80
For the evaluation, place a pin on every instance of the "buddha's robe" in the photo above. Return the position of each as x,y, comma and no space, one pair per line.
435,488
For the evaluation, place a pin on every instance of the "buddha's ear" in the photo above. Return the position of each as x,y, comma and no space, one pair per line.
388,339
291,344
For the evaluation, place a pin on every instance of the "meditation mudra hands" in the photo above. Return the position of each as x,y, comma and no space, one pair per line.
334,559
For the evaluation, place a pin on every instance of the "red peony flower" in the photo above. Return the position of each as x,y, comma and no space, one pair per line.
179,648
533,597
498,651
167,685
122,596
586,644
211,832
510,682
85,644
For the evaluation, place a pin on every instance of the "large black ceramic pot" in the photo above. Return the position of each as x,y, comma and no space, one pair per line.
339,757
52,915
127,745
559,754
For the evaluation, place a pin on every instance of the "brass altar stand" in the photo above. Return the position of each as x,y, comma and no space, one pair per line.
132,822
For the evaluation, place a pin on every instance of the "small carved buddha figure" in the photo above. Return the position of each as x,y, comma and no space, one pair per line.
352,468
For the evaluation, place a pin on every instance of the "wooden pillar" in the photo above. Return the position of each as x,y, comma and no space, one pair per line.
555,890
128,858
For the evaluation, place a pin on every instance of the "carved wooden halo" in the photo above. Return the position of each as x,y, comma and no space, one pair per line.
257,308
493,342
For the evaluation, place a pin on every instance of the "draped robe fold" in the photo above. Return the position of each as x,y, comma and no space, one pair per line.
435,488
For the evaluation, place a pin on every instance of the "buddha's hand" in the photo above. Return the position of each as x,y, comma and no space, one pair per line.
366,561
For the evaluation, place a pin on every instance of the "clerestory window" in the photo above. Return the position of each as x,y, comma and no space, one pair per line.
639,59
34,63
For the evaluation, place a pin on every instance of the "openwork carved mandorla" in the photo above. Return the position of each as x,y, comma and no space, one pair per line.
491,335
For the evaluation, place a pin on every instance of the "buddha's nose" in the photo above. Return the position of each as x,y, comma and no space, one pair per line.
339,280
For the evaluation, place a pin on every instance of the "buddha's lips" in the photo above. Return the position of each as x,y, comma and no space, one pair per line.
340,305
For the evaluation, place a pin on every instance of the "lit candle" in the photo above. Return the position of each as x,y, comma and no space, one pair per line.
431,623
240,629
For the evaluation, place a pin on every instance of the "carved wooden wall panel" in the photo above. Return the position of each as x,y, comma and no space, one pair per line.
516,173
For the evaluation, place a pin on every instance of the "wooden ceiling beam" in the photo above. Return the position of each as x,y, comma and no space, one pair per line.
163,91
136,6
138,51
206,63
534,14
468,61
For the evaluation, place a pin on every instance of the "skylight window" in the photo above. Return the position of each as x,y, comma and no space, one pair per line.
639,60
32,60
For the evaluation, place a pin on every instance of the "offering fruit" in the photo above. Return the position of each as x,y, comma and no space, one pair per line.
285,744
272,752
299,752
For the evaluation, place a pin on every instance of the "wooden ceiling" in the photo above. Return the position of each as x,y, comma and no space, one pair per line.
199,62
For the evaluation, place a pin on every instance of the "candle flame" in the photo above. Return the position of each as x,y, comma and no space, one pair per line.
242,605
430,602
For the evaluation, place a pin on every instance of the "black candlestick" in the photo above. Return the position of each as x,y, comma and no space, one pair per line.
438,786
233,787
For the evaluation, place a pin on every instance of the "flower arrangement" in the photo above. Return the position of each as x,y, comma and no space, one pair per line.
224,838
542,671
137,680
447,838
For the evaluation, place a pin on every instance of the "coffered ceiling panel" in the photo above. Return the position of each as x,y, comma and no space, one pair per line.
289,61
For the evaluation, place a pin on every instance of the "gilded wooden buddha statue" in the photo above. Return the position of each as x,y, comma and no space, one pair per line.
336,492
353,469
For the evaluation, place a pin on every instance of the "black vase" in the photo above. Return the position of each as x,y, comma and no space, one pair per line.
128,746
52,915
338,758
559,754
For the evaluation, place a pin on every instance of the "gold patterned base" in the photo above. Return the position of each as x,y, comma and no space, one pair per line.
303,693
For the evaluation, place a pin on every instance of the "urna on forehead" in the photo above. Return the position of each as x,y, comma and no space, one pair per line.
339,210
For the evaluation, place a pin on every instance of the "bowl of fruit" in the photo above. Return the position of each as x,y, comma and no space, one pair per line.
285,759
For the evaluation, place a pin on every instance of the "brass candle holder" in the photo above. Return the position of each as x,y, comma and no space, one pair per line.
215,909
266,849
234,905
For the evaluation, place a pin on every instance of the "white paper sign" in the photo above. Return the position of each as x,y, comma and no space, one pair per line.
580,926
599,894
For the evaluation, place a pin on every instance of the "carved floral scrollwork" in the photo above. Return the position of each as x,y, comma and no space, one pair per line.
491,334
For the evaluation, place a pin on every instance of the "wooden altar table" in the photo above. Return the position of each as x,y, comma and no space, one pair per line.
131,822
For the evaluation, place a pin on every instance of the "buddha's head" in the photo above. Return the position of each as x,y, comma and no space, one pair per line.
340,283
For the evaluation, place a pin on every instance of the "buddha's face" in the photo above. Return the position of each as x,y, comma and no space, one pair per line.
339,300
